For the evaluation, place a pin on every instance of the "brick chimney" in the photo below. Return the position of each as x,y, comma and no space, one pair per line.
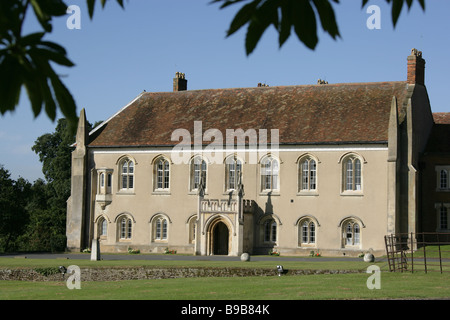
416,68
179,82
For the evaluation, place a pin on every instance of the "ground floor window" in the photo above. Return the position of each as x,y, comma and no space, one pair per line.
103,228
270,231
160,228
351,233
125,226
307,232
443,218
192,229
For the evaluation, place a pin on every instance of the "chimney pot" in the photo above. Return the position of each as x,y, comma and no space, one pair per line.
179,82
416,68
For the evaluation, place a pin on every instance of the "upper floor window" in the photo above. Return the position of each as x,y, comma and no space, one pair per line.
198,172
233,170
108,182
352,173
162,169
307,170
443,178
126,174
270,174
105,181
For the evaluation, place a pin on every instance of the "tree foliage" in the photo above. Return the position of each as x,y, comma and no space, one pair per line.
26,61
13,216
33,216
300,16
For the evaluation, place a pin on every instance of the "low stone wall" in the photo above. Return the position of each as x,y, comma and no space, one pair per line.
141,273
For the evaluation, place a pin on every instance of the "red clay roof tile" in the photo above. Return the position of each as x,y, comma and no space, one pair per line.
332,113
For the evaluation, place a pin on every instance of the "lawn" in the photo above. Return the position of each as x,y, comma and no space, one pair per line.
310,287
418,285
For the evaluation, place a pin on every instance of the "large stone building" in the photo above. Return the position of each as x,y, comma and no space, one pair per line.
329,168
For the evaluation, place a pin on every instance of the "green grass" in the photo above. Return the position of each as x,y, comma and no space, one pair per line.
407,285
323,287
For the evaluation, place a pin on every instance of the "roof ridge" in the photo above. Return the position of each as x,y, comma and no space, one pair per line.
279,86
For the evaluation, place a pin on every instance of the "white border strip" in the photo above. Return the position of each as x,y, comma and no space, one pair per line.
196,151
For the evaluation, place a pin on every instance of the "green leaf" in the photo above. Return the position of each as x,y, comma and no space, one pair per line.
285,24
65,100
327,17
10,84
41,15
243,17
91,5
52,55
263,17
397,6
305,24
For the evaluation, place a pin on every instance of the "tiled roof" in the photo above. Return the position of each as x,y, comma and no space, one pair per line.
439,140
441,117
312,114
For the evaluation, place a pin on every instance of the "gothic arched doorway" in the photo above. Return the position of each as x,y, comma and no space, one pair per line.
220,239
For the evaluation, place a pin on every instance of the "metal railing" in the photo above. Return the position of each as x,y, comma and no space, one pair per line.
410,252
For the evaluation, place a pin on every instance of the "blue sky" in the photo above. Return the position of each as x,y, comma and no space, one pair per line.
121,52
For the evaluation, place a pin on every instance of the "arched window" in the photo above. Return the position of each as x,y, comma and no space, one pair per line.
352,173
108,182
270,231
307,174
270,174
351,233
307,232
104,180
160,228
102,227
198,170
125,225
233,170
162,170
192,229
127,174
